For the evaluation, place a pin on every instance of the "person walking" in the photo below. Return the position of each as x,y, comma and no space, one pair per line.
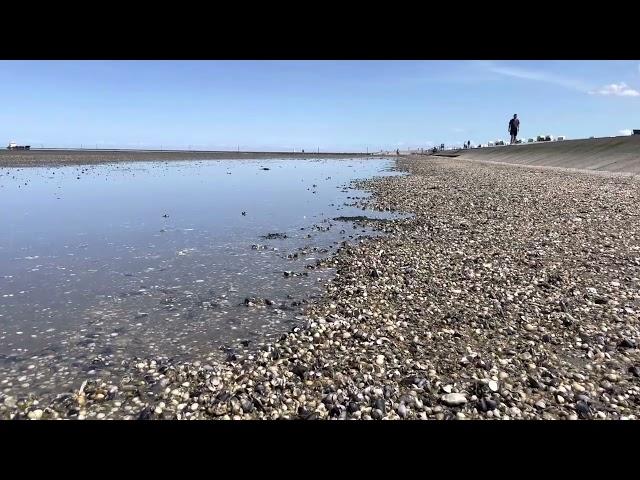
514,128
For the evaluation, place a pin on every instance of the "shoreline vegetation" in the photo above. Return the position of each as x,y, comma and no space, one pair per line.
510,293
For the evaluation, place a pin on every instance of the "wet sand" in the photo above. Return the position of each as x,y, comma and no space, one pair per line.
40,158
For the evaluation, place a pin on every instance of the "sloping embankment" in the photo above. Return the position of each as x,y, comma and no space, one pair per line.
614,154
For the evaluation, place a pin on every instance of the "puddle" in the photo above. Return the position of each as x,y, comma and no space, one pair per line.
188,260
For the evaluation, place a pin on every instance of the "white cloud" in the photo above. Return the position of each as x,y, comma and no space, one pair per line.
535,75
617,89
626,131
458,129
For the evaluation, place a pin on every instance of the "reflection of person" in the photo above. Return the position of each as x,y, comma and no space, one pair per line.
514,127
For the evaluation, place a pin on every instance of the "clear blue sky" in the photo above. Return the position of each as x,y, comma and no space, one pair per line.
334,105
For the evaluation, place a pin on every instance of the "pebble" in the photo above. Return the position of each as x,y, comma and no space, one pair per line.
612,377
35,414
454,399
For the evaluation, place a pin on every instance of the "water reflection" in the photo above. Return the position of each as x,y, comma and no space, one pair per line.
103,263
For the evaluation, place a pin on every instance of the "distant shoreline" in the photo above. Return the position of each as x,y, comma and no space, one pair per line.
62,157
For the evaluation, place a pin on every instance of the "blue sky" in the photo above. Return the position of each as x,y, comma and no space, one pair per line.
331,105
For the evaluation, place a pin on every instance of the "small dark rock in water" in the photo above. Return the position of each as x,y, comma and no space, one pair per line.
265,168
272,236
268,302
165,216
245,343
360,218
244,213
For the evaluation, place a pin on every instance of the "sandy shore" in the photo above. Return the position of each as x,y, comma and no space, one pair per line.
57,158
511,293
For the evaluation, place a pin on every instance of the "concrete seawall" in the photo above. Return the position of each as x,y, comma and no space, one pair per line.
613,154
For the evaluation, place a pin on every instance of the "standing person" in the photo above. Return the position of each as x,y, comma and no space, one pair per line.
514,127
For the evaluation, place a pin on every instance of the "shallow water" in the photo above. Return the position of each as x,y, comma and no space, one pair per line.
104,263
